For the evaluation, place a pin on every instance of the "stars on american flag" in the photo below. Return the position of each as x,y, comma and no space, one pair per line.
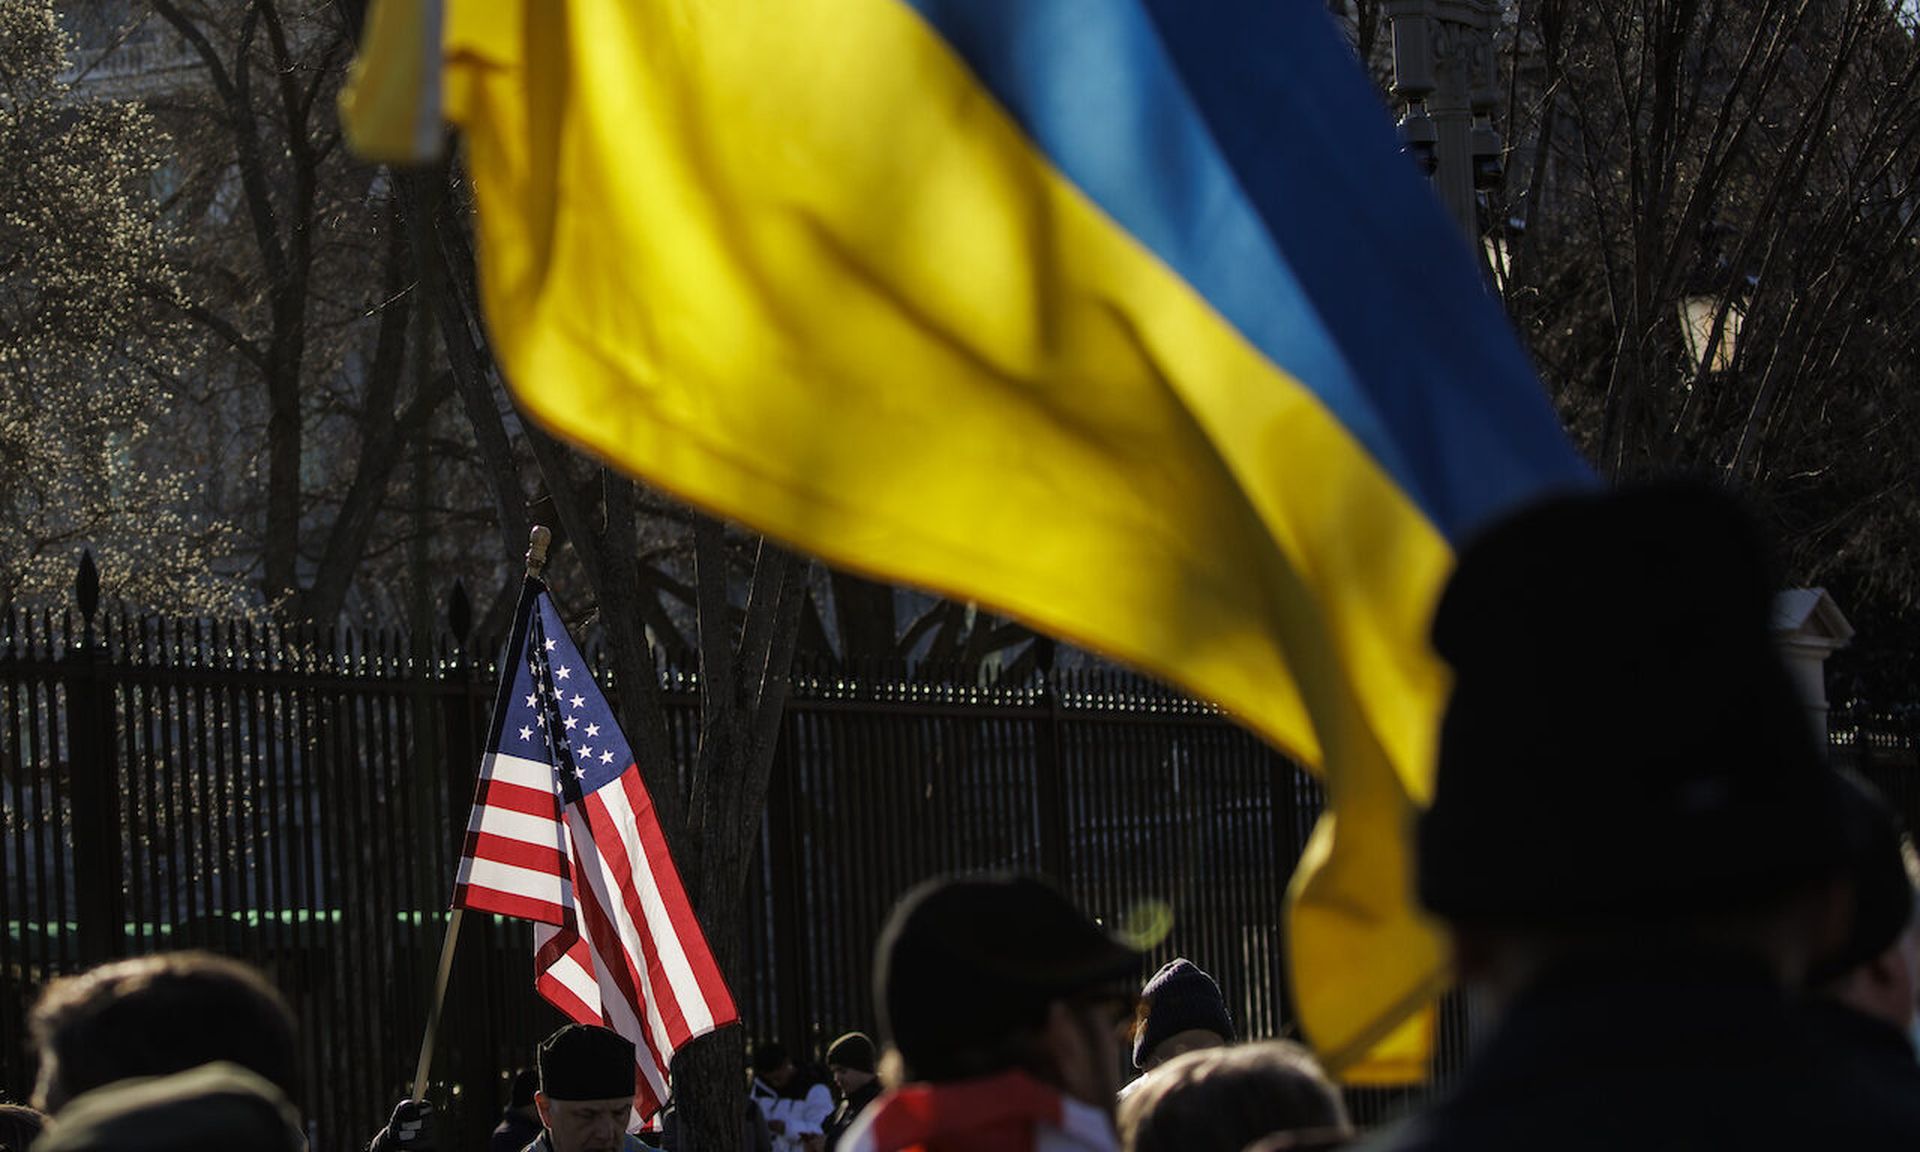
572,728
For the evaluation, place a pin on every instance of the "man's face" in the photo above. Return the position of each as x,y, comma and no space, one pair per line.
849,1080
777,1079
1183,1042
585,1125
1087,1036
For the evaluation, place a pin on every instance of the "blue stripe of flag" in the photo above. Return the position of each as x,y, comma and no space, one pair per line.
1240,142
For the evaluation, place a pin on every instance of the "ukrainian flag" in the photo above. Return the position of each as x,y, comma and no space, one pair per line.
1122,317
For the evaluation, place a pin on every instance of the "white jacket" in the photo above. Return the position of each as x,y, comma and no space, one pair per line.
806,1116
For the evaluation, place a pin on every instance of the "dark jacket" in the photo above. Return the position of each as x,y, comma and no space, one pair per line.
629,1143
1694,1054
513,1133
849,1111
1871,1058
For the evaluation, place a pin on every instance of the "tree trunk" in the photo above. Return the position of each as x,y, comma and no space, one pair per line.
709,1077
744,680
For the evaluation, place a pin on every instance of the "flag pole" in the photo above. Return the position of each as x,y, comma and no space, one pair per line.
537,542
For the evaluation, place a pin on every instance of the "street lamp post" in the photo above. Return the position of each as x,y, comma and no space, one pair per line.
1445,77
1710,326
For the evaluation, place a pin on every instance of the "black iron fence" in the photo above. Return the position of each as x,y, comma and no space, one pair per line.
292,797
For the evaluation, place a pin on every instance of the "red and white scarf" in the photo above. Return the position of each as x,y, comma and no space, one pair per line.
1008,1112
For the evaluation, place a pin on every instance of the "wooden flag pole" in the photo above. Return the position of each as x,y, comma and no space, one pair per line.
537,542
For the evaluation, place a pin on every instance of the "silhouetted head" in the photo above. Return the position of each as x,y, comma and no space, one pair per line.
1222,1099
1181,1010
982,974
154,1015
218,1105
1622,745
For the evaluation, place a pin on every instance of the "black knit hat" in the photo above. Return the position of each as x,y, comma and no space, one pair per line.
1180,997
965,963
585,1062
853,1051
1883,891
1622,743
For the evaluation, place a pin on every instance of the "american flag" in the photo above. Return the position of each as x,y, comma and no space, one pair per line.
564,834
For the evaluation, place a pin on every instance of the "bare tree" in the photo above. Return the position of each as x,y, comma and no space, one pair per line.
301,285
1708,240
85,346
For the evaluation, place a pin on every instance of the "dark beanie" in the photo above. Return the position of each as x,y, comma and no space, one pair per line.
217,1105
964,964
1180,997
1883,892
1622,742
854,1051
769,1056
586,1062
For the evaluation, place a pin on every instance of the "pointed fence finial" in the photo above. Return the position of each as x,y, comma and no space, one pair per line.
459,613
537,542
86,587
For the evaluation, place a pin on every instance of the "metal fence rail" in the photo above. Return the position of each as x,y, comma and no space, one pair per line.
277,796
293,798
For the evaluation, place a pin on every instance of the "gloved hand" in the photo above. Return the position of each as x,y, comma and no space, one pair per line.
410,1129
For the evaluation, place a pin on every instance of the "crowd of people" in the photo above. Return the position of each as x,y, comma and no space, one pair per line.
1677,926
